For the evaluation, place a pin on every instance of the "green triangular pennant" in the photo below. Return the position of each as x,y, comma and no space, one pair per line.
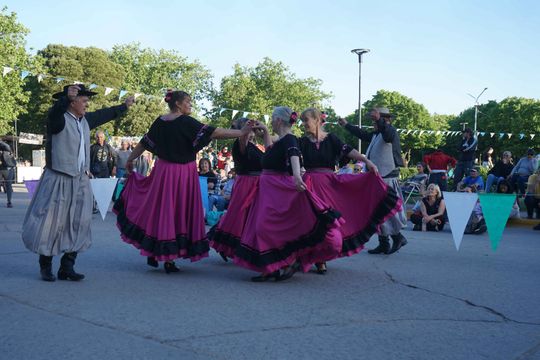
496,209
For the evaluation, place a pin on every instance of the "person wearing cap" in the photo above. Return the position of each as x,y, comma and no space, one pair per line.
384,151
472,183
500,171
467,148
59,216
523,169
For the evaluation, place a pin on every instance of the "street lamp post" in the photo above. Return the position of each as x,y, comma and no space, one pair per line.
360,52
476,108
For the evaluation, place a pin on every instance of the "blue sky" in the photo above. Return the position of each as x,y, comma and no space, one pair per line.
432,51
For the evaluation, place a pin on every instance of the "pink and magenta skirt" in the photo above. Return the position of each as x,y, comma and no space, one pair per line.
162,214
285,226
364,201
225,236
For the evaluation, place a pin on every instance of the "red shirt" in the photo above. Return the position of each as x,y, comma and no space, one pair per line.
439,161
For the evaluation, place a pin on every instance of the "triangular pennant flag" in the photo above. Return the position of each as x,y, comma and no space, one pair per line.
438,132
492,134
266,118
92,86
496,209
501,135
40,78
430,132
103,190
408,132
59,79
136,95
521,136
77,82
221,111
532,136
24,74
509,135
234,112
6,70
459,206
31,186
421,132
245,114
108,90
482,133
122,94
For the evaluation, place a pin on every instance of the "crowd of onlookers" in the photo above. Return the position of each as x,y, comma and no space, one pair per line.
503,176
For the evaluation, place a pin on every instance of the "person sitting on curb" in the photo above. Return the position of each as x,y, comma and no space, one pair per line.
472,183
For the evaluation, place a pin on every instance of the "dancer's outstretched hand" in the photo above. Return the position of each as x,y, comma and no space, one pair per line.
372,167
300,185
130,101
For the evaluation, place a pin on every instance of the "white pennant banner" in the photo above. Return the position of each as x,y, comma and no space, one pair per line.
136,95
234,112
108,90
6,70
245,114
103,191
459,206
266,118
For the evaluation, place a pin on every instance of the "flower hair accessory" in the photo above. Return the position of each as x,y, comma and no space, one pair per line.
293,118
323,117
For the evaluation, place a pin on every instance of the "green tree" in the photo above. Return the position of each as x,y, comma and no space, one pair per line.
512,115
410,115
151,72
259,89
86,65
13,55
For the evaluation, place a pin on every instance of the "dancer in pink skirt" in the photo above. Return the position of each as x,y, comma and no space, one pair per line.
225,236
363,200
162,214
288,227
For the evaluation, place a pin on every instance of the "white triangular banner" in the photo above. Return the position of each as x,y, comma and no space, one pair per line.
122,94
245,114
136,95
40,78
6,70
108,90
459,206
509,135
234,112
92,86
103,191
532,136
492,134
266,118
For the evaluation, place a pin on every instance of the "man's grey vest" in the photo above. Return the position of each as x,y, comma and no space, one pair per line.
380,152
65,147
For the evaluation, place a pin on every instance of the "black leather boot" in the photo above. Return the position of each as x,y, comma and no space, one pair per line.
45,265
66,271
383,248
398,241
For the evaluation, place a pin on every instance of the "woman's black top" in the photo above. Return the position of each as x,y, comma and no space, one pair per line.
277,156
249,161
177,140
325,154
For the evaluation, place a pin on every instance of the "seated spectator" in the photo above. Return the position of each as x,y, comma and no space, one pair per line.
432,209
476,224
523,169
417,181
472,183
205,170
226,192
504,187
359,167
532,198
344,167
487,159
500,171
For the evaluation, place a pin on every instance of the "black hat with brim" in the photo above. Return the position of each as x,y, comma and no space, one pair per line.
83,91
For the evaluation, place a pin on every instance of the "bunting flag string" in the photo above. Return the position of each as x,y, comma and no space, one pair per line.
122,92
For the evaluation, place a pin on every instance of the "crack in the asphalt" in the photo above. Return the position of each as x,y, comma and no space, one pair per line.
466,301
529,353
105,326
